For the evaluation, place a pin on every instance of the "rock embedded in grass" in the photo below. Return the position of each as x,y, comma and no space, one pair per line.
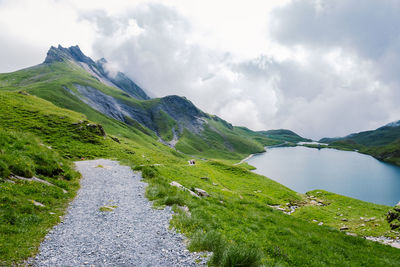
201,192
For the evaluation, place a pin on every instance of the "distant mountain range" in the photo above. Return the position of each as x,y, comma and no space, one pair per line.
383,143
285,135
70,79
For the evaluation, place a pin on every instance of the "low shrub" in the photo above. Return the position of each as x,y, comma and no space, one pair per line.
4,171
209,241
148,172
225,254
241,255
20,164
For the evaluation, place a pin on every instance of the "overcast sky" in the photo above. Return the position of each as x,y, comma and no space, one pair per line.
320,68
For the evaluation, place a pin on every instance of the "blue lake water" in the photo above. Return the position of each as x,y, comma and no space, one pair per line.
347,173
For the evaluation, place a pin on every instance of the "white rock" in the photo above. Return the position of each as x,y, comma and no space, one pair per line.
37,203
201,192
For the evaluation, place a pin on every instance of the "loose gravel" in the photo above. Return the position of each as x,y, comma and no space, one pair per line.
131,234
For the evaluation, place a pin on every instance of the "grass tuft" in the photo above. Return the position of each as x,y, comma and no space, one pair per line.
107,208
241,255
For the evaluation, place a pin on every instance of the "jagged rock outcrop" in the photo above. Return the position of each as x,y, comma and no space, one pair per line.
72,53
182,111
393,217
97,69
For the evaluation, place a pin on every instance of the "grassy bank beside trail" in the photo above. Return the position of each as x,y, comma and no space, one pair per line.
29,208
236,221
236,217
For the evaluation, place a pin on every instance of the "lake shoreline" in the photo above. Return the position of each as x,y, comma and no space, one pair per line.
301,170
246,158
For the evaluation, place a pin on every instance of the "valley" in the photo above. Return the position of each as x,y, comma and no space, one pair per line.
70,109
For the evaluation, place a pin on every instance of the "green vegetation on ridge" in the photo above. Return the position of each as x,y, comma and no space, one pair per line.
238,222
382,143
29,208
236,216
284,136
57,82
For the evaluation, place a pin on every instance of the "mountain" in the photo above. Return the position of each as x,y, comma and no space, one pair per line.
70,79
383,143
393,124
97,69
284,135
380,136
59,112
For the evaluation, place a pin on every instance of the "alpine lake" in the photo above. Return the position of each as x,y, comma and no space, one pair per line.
343,172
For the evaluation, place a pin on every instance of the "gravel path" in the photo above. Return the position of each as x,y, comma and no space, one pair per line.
132,234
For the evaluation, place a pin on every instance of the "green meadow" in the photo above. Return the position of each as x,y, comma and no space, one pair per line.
236,222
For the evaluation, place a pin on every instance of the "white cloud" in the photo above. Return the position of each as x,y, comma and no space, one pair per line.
320,68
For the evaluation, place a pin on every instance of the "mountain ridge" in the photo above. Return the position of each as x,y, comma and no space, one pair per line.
96,68
382,143
44,120
70,79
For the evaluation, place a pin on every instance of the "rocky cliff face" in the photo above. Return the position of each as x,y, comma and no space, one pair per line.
72,53
172,114
178,109
75,55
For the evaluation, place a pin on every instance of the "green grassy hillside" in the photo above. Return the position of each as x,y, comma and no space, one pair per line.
236,221
58,83
284,135
47,122
382,143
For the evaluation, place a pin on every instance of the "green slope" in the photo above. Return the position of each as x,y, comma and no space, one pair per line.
382,143
236,216
285,135
236,222
57,82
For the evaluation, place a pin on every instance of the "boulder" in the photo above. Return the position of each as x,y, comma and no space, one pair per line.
369,219
351,234
201,192
344,228
176,184
96,128
23,93
115,139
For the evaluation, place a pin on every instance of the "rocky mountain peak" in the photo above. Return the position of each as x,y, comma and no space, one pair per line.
59,54
96,69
